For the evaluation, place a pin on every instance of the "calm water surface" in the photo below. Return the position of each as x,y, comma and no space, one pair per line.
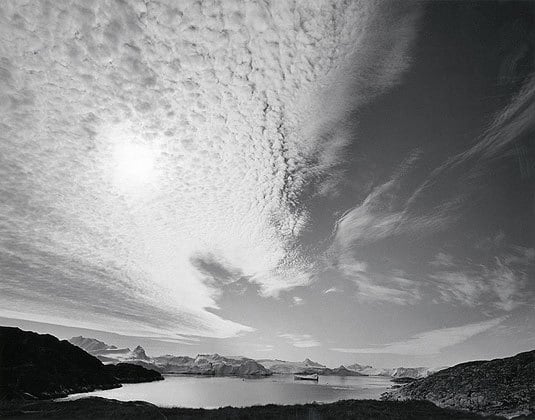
210,392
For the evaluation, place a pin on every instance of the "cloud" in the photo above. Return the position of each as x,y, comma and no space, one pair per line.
460,287
514,122
301,340
507,286
430,342
374,286
388,211
512,125
297,300
332,290
137,136
264,347
520,256
499,285
442,260
385,213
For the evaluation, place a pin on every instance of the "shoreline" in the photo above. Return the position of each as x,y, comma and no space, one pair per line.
177,390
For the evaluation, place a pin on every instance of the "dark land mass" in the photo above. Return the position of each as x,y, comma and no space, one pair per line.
500,386
100,408
41,366
128,373
403,380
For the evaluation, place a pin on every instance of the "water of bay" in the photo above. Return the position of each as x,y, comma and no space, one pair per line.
214,392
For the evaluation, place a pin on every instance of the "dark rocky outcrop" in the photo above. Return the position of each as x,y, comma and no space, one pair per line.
499,386
414,373
403,380
41,366
130,373
45,367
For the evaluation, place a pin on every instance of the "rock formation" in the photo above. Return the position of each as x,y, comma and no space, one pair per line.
41,366
500,386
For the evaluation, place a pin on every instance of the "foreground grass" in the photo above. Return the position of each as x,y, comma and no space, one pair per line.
101,408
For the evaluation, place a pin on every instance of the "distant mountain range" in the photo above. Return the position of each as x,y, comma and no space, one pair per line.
202,364
285,367
494,387
41,366
107,353
305,367
215,364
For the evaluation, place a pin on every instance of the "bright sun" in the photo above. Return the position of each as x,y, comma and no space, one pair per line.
134,164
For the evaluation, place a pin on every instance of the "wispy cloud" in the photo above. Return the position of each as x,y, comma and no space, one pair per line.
515,121
497,285
297,300
259,347
332,290
384,213
301,340
511,125
430,342
442,260
460,287
520,255
379,287
389,210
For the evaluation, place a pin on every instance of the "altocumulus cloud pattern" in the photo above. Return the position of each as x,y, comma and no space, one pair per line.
139,136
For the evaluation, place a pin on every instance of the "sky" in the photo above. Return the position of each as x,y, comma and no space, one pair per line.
345,181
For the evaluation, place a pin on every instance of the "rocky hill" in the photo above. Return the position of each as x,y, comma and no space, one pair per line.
500,386
130,373
41,366
415,373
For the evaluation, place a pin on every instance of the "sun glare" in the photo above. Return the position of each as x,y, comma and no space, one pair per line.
134,164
